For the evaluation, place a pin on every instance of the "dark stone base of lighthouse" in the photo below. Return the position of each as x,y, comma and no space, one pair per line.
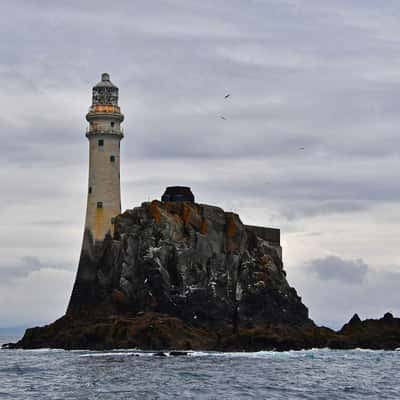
180,275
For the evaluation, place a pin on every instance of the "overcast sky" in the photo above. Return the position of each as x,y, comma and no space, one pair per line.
323,75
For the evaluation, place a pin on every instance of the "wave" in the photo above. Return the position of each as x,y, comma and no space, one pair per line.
199,353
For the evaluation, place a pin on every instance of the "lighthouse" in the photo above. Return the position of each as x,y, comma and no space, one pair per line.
104,191
104,134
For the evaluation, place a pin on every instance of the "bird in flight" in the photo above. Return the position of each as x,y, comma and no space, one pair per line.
227,96
301,148
222,117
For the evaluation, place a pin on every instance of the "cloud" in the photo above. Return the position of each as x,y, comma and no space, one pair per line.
335,268
23,268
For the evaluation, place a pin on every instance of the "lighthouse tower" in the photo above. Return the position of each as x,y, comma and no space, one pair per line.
104,192
104,134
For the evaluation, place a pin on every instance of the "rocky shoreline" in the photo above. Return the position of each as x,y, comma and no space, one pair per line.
189,276
152,331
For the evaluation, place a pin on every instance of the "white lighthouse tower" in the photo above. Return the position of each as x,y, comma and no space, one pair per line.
104,192
104,134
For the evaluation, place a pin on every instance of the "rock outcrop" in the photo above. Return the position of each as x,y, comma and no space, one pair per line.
180,275
195,262
383,333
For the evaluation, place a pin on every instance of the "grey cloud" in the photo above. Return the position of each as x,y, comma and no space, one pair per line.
23,267
311,188
338,269
293,211
175,74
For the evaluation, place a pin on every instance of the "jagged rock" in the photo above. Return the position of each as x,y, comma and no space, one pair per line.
178,353
160,354
193,261
383,333
388,317
355,319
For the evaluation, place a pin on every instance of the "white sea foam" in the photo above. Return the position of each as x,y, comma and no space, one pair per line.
43,350
114,354
191,353
260,354
367,350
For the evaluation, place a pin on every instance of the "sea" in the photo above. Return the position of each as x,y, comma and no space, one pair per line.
134,374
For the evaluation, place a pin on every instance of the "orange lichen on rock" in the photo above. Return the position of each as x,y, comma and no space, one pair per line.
186,213
155,211
195,220
231,228
265,260
204,227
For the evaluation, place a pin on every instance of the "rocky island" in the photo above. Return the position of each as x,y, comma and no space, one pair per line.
181,275
174,274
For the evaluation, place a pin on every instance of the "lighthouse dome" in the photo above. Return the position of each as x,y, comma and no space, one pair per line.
105,81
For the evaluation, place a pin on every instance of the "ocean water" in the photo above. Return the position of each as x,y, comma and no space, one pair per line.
133,374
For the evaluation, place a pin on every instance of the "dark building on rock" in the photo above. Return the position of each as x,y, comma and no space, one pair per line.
178,193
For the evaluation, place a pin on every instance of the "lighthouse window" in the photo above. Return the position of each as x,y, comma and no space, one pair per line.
90,189
112,124
112,158
101,142
113,220
99,204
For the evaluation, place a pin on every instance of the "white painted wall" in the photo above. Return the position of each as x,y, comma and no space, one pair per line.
104,181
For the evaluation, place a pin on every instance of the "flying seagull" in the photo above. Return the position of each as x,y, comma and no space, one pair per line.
227,95
301,148
222,117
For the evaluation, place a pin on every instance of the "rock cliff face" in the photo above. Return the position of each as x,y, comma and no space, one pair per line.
191,261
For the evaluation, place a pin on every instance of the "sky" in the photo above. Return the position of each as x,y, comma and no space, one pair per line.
309,143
